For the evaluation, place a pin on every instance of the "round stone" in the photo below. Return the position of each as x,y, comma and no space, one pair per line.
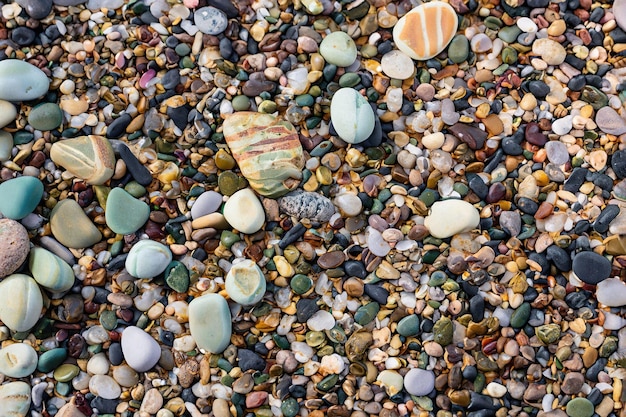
396,64
147,259
45,116
208,202
210,20
591,267
609,121
104,386
450,217
552,52
8,113
14,246
141,360
15,399
71,226
244,211
419,382
26,80
245,283
351,115
579,407
18,360
124,214
20,302
339,49
20,196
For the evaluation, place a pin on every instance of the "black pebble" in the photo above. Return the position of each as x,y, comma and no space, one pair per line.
305,308
103,405
377,293
249,360
138,171
601,225
117,128
559,258
23,36
591,268
618,163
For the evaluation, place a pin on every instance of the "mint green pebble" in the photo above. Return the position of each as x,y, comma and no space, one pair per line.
245,283
210,322
147,259
18,360
125,214
45,116
20,196
50,271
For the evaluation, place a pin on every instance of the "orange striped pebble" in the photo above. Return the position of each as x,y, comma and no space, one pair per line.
426,30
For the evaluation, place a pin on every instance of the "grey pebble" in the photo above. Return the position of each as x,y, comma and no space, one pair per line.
303,204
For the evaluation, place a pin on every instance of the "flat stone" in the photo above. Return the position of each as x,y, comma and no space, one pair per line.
473,136
90,158
618,163
6,145
302,204
267,150
20,302
579,407
26,80
351,115
71,226
8,113
45,116
108,4
210,20
396,64
208,202
104,386
609,121
426,30
450,217
572,383
244,211
147,259
50,271
18,360
591,267
20,196
419,382
339,49
611,292
210,322
619,11
177,277
14,246
245,283
14,399
552,52
141,360
124,214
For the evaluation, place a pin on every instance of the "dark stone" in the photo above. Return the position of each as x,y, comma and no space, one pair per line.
533,134
559,257
539,89
591,268
305,308
481,402
527,205
118,127
23,36
618,163
577,299
292,235
37,9
103,405
477,185
137,170
595,369
473,136
171,78
355,269
376,293
376,137
249,360
477,308
178,115
226,6
577,82
497,191
575,180
511,146
601,225
541,260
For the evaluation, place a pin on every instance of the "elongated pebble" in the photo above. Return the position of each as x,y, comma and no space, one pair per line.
20,302
210,322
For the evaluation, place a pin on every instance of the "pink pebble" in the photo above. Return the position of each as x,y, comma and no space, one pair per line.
192,4
146,77
256,399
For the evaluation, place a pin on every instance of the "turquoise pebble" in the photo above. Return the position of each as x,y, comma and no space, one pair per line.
409,326
51,359
210,322
147,259
300,284
125,214
20,196
50,271
108,319
365,314
290,407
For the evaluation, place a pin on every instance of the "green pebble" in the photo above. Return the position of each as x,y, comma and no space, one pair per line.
365,314
509,34
20,196
428,197
177,277
327,383
460,188
22,137
349,79
579,407
509,55
51,359
241,103
290,407
430,256
108,319
300,284
305,100
187,62
124,213
384,195
322,148
377,206
437,278
228,182
520,316
443,331
66,372
182,49
267,107
135,189
369,51
459,49
315,91
46,116
548,333
409,326
228,238
493,22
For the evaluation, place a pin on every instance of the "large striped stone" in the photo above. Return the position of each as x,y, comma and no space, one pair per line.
87,157
426,30
267,150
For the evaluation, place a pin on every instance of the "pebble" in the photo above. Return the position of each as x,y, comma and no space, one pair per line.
14,246
50,271
141,360
352,116
307,205
210,322
18,360
8,113
124,214
14,399
419,382
339,49
245,283
609,121
147,259
20,302
440,224
208,202
210,20
21,196
611,292
244,211
552,52
71,226
90,158
591,268
579,407
45,116
398,65
26,80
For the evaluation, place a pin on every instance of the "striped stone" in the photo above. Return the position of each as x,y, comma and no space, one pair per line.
267,150
87,157
426,30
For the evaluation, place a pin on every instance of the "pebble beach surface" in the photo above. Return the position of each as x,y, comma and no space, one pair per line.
312,208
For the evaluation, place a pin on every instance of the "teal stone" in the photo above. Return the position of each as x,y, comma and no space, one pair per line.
509,34
45,116
409,326
305,100
108,319
349,79
135,189
26,81
459,49
49,270
300,284
22,137
147,259
51,359
428,197
125,214
210,322
437,278
63,388
20,196
322,148
520,316
327,383
290,407
177,277
241,103
579,407
365,314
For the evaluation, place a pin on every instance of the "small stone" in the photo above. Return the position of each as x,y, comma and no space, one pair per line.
349,204
152,401
87,157
339,49
245,283
20,302
398,65
591,268
619,11
210,20
249,360
473,136
433,140
66,372
611,292
548,333
18,360
426,30
50,271
14,246
141,360
105,387
210,322
124,214
147,259
553,53
15,399
6,145
579,407
244,211
26,80
71,226
419,382
609,121
37,9
563,125
208,202
351,115
443,331
459,48
177,277
8,113
45,116
409,326
392,381
573,383
557,152
450,217
51,359
20,196
307,205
